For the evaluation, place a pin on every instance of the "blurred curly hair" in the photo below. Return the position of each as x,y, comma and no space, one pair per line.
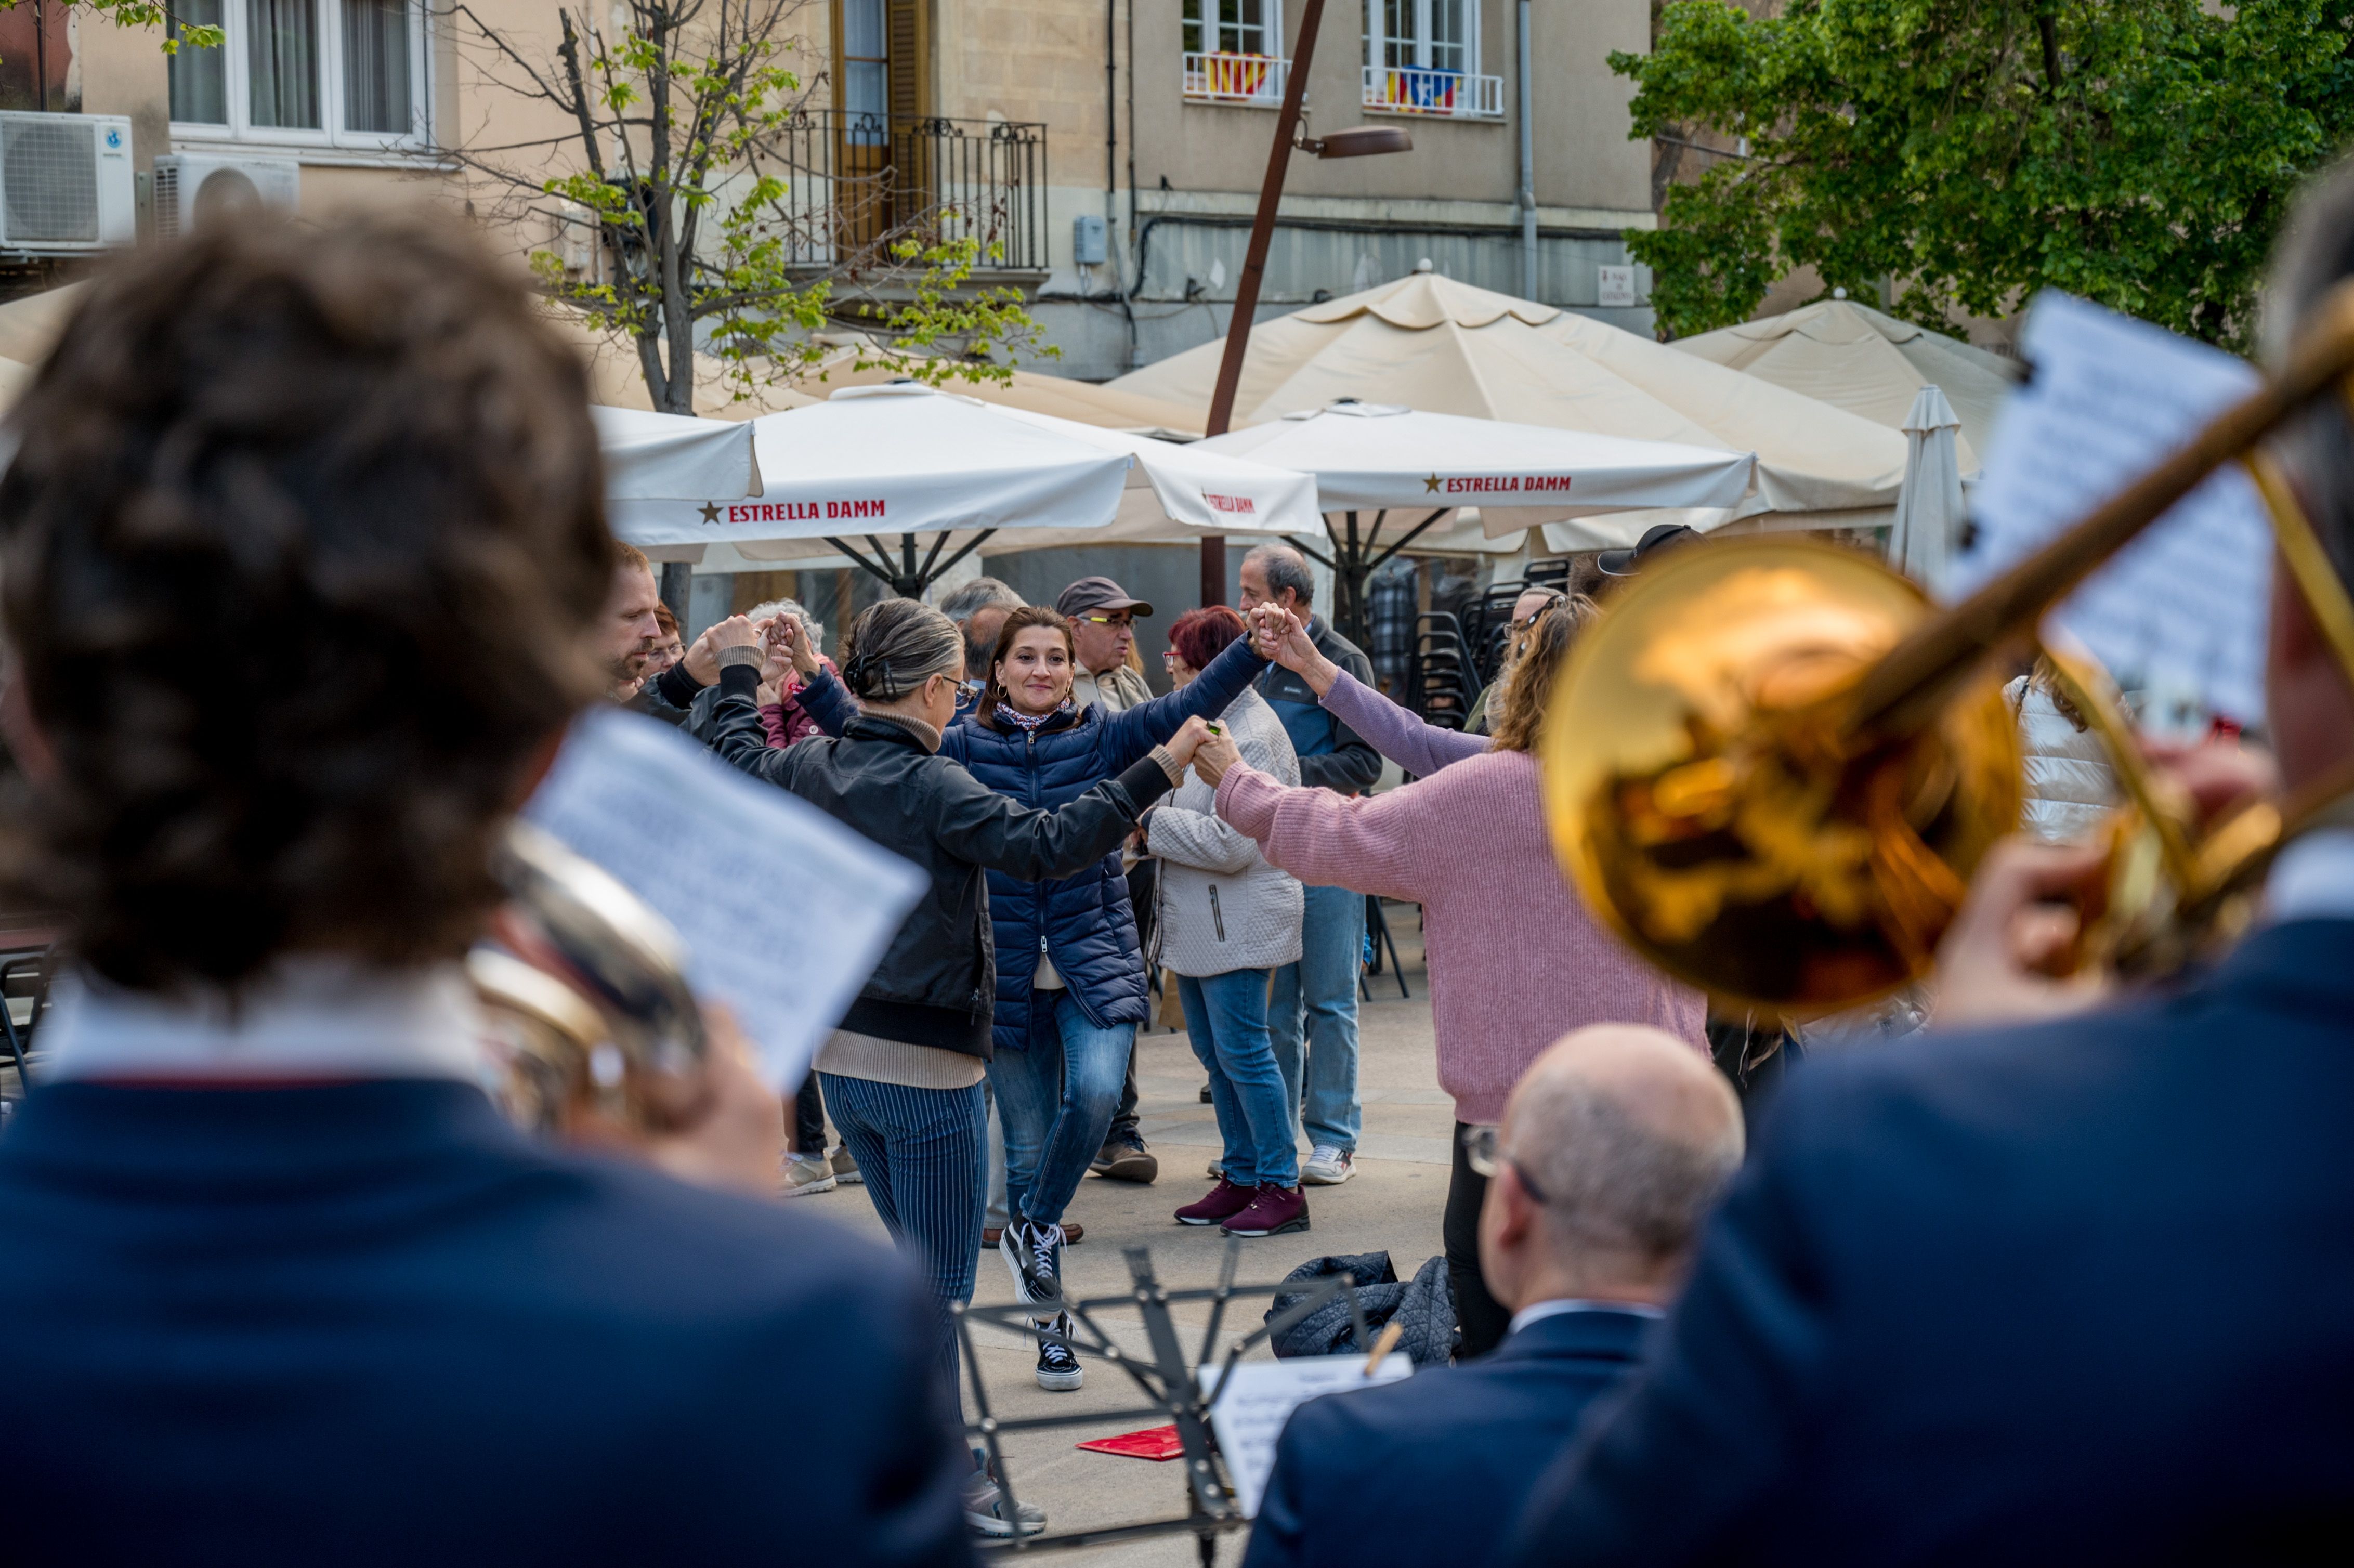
301,554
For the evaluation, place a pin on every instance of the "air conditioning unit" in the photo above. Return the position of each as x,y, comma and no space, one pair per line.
190,186
66,187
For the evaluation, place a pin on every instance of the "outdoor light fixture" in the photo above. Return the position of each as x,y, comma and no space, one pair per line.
1359,141
1363,142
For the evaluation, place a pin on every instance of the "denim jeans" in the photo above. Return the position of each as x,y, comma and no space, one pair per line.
1321,992
920,1152
1055,1101
1225,1017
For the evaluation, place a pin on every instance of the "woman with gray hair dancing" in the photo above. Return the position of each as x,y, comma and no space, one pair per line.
902,1074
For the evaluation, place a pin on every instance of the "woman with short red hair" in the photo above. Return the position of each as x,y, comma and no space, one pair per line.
1226,919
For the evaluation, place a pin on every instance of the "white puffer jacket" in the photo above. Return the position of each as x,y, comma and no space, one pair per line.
1222,907
2069,783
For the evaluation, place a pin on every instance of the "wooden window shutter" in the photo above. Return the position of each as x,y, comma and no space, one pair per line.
910,58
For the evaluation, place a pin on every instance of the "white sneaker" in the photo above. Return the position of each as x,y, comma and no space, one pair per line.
1058,1369
806,1175
1328,1166
985,1509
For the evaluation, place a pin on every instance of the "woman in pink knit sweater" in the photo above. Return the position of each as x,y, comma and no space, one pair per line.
1515,961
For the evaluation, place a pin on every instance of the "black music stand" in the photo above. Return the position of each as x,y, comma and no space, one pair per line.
1166,1381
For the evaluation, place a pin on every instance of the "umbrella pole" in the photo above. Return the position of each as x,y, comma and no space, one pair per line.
1238,325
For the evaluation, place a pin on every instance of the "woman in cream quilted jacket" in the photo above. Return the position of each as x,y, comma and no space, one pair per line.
1226,918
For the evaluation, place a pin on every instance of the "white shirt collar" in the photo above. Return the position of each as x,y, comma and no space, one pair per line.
1536,1312
2313,877
317,1018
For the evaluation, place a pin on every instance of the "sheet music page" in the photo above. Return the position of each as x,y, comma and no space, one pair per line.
2183,605
784,910
1248,1409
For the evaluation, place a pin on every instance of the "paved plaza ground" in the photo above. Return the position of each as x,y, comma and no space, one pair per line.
1392,1204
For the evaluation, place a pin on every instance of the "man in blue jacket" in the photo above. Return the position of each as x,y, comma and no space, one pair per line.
1312,1004
2080,1292
1612,1149
304,557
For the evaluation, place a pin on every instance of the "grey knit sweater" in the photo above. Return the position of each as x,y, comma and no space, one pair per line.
1222,907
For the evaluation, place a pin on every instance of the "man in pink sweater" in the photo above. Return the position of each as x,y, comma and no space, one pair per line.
1515,961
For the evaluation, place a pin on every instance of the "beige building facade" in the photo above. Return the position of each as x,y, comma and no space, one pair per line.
1115,148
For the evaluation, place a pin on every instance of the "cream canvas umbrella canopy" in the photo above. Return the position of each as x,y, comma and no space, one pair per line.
1083,402
1446,347
1869,363
665,456
1380,458
903,462
30,325
615,379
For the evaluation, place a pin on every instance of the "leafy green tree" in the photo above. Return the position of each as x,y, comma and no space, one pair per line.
2139,153
678,150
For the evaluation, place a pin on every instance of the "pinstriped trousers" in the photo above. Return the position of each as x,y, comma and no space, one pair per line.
922,1153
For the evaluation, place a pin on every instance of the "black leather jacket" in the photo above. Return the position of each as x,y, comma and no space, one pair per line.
937,982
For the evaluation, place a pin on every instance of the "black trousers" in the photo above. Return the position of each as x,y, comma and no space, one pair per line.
1480,1316
1144,879
809,1117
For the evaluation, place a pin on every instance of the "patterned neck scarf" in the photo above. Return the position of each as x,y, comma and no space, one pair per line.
1008,713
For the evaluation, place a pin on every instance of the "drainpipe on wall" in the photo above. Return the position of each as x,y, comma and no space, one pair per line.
1528,172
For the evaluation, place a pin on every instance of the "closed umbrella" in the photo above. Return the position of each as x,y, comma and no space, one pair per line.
1929,507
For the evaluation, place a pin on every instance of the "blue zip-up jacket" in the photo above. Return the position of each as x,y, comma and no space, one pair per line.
1083,922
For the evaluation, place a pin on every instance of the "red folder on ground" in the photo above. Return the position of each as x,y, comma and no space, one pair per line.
1152,1442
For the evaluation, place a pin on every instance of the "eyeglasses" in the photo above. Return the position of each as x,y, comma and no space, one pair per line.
1123,622
1170,656
1484,1151
1537,614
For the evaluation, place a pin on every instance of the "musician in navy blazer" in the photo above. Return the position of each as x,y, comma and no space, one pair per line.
1612,1148
2078,1292
304,571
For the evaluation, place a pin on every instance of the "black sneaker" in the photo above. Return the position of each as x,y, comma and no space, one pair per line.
1033,1255
1058,1369
1125,1159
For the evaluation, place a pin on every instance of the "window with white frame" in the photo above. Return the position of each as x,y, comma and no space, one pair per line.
345,73
1424,34
1421,57
1233,27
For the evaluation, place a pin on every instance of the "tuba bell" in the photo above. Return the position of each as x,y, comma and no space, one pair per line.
1772,767
591,1020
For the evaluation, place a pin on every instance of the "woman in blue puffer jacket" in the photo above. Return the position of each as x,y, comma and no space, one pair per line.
1070,980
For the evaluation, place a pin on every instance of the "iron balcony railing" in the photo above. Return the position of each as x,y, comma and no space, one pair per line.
860,183
1255,80
1411,90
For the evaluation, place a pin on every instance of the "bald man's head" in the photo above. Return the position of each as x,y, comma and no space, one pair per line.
1622,1137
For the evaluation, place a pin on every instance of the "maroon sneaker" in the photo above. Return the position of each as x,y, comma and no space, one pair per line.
1272,1211
1225,1199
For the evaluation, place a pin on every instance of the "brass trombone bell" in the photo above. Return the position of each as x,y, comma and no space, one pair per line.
1703,798
1773,766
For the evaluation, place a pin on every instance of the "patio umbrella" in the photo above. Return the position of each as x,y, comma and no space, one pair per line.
908,461
657,456
1446,347
1929,507
1870,364
1377,458
1082,402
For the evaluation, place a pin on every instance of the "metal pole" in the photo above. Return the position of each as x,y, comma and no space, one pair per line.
41,55
678,592
1528,171
1238,329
